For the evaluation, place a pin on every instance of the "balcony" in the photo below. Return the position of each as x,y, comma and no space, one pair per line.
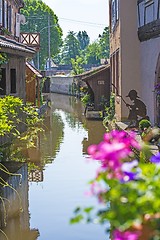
148,19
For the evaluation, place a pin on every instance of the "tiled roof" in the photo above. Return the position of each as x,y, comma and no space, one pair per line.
92,72
12,44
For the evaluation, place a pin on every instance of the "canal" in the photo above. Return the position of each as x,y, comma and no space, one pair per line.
56,179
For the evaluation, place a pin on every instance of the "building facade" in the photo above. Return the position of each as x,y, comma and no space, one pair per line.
124,54
149,37
135,54
12,71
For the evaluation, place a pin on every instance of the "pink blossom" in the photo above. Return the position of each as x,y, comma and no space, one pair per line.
115,147
127,235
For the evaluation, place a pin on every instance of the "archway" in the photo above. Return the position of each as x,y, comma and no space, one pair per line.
157,93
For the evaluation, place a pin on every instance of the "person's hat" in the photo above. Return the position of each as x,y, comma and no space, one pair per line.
132,93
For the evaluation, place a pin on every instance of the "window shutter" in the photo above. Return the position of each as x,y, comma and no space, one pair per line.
9,18
17,24
5,14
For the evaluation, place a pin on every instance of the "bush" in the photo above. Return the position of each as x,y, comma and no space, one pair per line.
144,124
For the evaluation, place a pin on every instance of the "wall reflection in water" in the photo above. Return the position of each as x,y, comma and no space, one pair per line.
14,208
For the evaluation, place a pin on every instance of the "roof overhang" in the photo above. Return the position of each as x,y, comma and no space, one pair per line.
34,70
90,74
13,47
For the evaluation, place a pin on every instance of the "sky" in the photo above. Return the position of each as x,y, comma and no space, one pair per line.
79,15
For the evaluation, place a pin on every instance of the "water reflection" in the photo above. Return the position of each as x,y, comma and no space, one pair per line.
57,175
14,210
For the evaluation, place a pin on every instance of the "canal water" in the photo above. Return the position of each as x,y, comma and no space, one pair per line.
58,176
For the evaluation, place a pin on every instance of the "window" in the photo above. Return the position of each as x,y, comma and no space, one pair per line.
115,72
2,81
1,12
13,80
148,2
158,12
5,14
114,13
149,11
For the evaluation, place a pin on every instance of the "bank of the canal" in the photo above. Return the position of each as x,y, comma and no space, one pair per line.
65,173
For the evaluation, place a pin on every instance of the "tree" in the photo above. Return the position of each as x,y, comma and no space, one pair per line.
83,39
71,48
39,16
104,43
77,65
93,52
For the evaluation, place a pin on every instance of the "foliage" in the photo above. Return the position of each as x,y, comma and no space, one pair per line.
86,99
18,121
77,65
71,48
76,45
104,43
127,188
15,117
144,123
92,53
109,110
38,19
83,39
3,58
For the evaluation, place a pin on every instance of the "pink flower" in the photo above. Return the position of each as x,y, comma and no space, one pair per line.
115,147
127,235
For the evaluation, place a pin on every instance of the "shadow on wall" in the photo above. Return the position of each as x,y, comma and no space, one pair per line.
137,110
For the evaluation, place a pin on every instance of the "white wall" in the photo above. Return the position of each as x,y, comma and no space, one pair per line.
149,55
61,84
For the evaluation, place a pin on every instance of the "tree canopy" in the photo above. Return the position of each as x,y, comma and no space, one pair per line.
38,19
78,46
71,48
83,39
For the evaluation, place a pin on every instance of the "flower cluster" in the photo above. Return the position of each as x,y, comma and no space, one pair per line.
157,88
128,188
113,150
131,181
128,235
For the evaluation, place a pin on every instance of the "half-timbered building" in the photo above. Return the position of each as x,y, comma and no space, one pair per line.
12,71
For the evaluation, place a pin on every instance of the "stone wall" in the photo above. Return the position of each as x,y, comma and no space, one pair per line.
61,84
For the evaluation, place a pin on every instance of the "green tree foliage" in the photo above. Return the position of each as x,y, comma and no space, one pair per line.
104,43
77,65
76,45
93,53
83,39
38,17
71,48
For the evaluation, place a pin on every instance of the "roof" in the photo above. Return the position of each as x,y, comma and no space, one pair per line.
34,70
14,45
84,76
